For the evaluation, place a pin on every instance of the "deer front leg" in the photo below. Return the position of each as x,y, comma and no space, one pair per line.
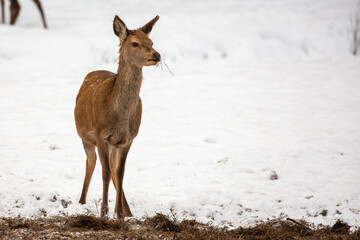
103,151
122,208
125,205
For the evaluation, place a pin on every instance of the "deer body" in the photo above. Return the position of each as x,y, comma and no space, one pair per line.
108,112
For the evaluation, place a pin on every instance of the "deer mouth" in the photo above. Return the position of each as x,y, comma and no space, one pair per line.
154,60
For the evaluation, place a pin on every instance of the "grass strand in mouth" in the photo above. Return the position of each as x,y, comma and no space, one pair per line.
161,63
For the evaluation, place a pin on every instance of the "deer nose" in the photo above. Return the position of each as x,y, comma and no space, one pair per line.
157,56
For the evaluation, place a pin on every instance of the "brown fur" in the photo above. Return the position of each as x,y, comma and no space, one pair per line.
15,10
108,112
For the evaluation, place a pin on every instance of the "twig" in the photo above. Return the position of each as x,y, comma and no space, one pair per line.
296,222
162,62
97,210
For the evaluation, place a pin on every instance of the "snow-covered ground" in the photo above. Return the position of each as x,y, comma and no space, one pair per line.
258,86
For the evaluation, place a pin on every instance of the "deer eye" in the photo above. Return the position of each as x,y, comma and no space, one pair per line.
135,44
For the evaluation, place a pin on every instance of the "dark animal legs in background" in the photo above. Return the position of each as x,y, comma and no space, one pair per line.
15,10
2,12
38,4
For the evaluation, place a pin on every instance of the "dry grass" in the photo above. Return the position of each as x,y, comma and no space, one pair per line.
162,227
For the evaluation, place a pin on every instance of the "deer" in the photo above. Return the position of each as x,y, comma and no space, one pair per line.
15,10
108,112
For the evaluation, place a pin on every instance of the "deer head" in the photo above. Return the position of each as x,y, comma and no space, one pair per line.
136,48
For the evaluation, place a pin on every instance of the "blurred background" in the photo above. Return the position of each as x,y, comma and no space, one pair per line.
259,87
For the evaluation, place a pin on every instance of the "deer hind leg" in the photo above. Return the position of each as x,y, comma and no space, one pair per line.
122,208
14,11
38,4
90,166
103,150
2,11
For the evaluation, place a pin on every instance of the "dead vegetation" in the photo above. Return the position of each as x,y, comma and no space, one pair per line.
163,227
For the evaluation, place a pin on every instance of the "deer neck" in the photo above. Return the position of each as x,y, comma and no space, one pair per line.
127,87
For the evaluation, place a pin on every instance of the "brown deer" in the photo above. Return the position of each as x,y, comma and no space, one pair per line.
108,112
15,10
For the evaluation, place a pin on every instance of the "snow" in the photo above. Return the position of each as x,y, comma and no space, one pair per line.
258,87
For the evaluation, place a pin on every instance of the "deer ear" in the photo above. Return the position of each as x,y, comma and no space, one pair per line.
120,28
148,27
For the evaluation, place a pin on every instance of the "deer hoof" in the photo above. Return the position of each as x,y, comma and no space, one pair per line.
121,216
104,211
